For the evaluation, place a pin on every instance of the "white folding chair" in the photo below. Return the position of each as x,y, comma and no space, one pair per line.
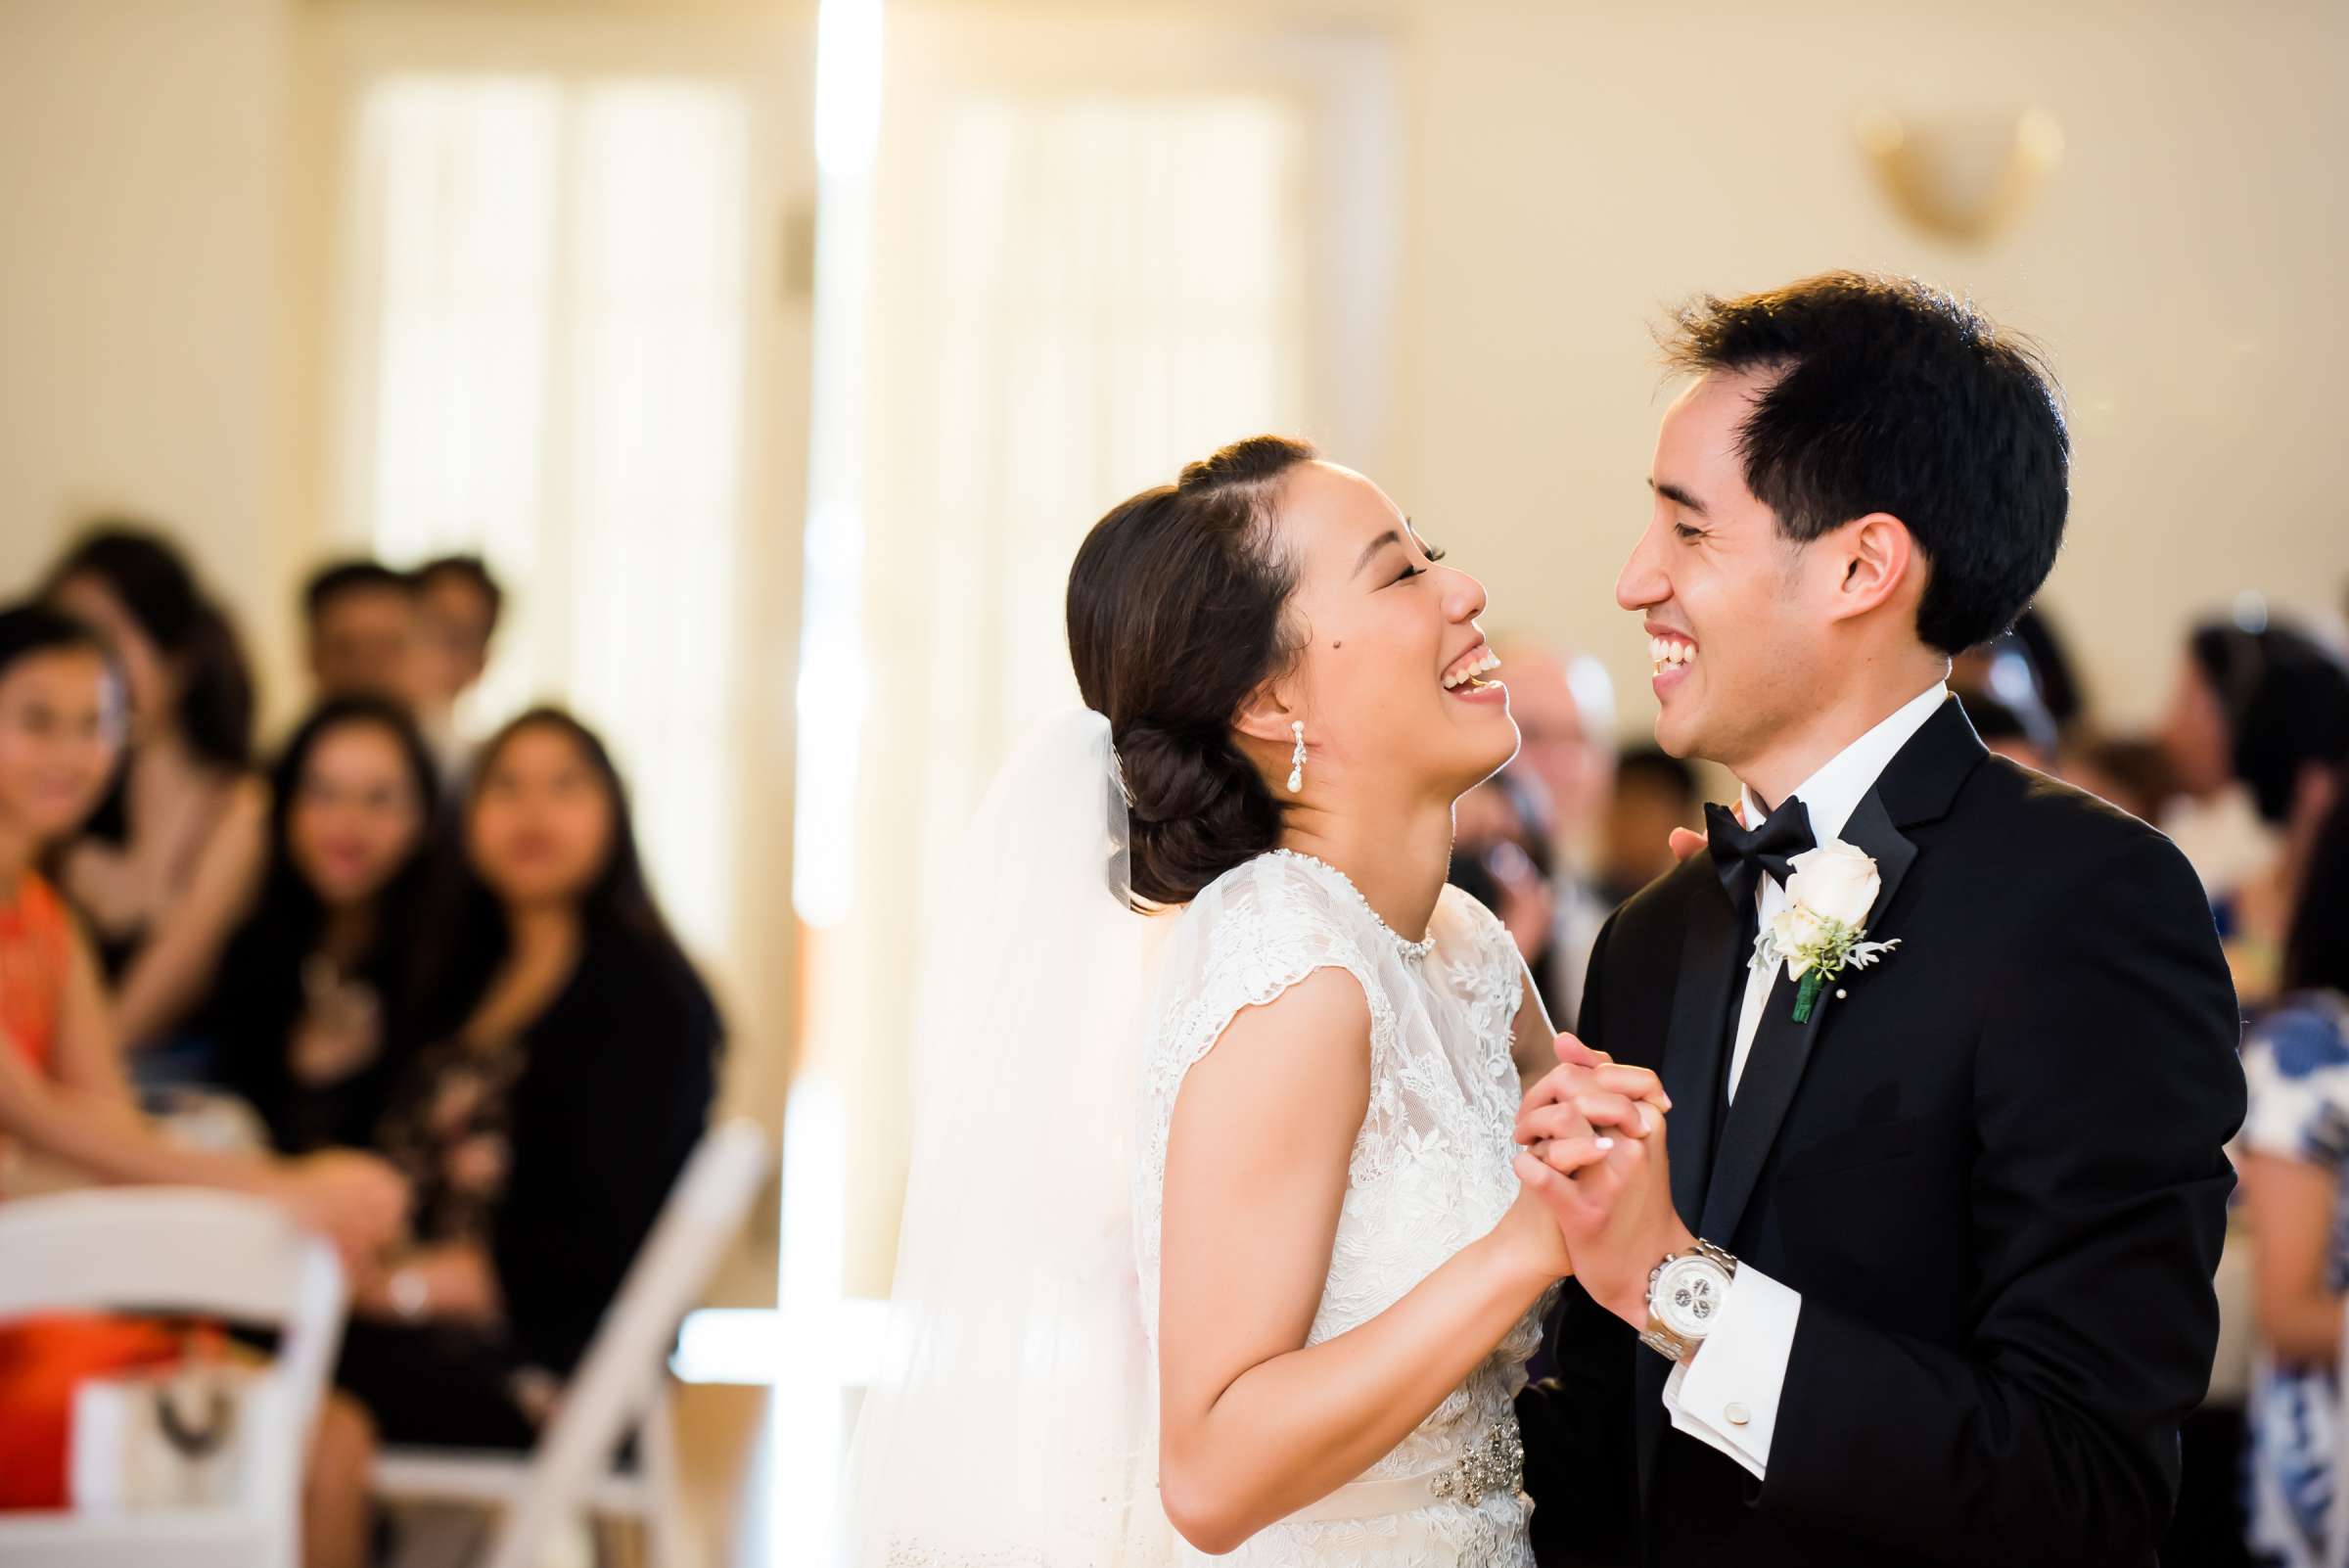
201,1252
620,1386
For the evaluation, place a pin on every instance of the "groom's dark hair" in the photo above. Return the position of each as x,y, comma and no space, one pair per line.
1887,395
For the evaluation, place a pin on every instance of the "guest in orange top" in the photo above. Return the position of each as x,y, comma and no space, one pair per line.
61,737
62,1089
60,732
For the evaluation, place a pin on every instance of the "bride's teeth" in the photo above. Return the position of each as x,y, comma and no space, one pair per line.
1461,677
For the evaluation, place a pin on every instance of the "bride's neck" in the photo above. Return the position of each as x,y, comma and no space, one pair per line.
1397,854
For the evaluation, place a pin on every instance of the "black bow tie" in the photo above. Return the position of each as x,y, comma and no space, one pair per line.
1741,855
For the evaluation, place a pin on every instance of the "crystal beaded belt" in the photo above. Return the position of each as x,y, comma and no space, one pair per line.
1491,1467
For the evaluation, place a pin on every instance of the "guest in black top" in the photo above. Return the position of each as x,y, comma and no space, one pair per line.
168,861
570,1060
304,1012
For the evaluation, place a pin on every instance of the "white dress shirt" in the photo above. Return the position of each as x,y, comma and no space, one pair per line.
1729,1394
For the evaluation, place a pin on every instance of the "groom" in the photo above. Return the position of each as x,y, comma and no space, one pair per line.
1933,1243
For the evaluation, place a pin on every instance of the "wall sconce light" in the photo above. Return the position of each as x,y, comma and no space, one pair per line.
1961,177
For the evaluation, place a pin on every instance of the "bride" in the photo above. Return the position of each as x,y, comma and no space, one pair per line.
1213,1223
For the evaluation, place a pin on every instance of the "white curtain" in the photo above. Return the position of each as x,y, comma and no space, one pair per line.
1118,287
543,323
1100,249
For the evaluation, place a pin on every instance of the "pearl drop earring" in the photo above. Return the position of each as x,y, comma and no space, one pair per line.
1296,761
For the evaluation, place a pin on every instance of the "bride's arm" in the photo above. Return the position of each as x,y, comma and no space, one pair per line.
1253,1425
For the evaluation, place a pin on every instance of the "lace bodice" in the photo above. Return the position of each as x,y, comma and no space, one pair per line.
1430,1170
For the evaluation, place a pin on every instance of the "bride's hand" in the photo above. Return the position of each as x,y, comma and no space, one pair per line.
1527,1232
1570,1120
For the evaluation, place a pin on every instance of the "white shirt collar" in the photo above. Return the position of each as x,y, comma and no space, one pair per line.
1833,793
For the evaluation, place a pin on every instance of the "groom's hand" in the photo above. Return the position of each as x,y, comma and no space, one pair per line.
1616,1216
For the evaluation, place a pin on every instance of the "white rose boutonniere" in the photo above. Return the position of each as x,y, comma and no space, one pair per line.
1822,931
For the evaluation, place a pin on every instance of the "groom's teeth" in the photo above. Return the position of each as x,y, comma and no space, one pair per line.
1670,651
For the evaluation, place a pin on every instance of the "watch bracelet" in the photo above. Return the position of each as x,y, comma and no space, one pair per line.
1668,1343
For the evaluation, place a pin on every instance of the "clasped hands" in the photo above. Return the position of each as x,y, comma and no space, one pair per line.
1594,1158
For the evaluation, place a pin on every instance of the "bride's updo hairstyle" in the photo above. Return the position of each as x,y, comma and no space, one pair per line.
1176,618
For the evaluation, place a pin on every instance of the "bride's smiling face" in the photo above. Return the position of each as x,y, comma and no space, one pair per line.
1396,681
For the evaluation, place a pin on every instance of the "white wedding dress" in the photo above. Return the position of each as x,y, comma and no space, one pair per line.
1430,1174
1011,1420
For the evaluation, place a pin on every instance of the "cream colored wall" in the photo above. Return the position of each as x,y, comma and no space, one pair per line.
141,175
1573,169
1578,167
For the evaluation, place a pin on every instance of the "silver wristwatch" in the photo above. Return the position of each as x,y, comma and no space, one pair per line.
1683,1292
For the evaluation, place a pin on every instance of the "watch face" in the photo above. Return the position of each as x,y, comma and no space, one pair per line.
1690,1295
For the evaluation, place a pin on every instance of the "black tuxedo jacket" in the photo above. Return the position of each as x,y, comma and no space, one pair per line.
1995,1171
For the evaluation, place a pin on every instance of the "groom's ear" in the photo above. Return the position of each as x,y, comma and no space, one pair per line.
1877,563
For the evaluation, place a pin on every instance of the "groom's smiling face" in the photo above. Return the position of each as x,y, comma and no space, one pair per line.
1735,628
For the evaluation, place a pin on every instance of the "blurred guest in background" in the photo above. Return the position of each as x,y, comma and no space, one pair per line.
363,631
301,1016
2006,731
570,1063
1655,792
1564,706
61,737
2053,680
2295,1171
62,1092
166,866
457,608
2027,669
2132,772
1501,857
2267,711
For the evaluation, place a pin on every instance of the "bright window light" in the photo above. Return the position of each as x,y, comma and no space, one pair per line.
545,309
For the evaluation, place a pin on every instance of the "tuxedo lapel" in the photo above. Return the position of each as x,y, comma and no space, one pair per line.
1696,1037
1781,1049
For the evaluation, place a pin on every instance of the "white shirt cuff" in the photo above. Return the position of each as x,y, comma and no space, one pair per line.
1727,1396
